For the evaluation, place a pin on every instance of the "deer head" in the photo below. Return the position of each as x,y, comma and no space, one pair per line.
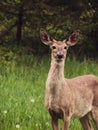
59,48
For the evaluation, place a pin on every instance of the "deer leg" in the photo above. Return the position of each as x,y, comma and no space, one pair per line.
55,124
95,116
66,120
66,124
54,120
86,124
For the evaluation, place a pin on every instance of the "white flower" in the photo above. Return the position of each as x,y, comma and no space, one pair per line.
47,123
32,100
5,112
17,126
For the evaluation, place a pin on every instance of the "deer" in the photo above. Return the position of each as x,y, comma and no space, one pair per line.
66,98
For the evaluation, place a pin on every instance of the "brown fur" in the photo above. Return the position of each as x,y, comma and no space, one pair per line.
67,98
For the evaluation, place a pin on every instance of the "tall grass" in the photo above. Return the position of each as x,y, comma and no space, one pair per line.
22,90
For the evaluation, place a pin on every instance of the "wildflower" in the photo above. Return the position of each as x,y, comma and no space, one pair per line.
5,112
32,100
17,126
47,124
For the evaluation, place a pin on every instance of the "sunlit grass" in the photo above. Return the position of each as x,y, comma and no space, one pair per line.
22,90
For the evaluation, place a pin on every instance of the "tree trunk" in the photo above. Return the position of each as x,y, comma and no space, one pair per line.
19,25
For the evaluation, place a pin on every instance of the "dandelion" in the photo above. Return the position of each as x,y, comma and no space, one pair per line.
5,112
32,100
17,126
47,124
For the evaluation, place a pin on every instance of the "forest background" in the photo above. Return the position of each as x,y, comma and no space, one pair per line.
21,20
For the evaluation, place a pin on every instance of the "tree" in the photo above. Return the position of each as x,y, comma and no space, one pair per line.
22,20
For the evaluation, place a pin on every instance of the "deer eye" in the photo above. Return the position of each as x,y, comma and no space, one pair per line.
53,47
65,47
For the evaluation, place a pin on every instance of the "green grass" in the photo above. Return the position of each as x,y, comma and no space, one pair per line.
22,90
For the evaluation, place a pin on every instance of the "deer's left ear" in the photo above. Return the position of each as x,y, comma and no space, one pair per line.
73,38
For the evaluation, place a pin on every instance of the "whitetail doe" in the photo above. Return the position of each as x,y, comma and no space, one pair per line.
66,98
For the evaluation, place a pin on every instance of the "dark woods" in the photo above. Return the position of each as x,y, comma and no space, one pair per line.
20,22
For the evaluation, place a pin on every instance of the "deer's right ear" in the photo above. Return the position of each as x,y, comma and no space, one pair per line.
45,37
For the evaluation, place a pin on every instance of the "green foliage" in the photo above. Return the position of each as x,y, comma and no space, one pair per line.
22,20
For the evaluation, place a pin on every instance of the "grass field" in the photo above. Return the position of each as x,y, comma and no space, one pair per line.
22,90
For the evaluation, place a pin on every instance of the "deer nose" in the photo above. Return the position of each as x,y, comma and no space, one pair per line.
60,56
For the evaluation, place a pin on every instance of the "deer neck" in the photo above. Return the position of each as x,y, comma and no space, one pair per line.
56,72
